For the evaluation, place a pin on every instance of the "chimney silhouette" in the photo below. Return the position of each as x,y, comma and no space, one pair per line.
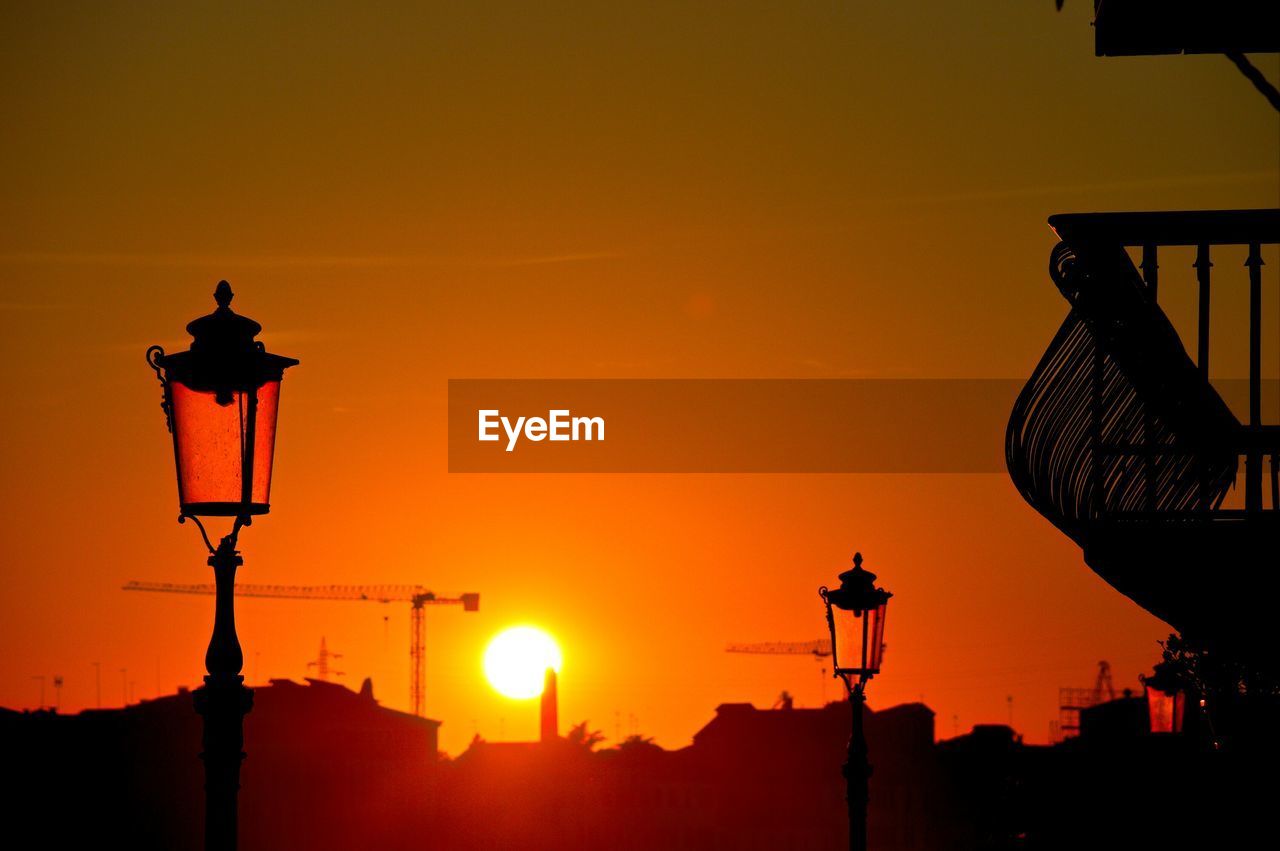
550,721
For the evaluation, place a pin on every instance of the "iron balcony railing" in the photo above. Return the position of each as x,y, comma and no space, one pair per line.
1118,420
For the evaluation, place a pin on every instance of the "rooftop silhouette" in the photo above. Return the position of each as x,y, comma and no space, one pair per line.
332,769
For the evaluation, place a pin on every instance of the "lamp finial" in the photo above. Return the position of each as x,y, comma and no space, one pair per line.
222,295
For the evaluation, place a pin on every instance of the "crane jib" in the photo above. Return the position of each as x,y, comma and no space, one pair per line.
416,595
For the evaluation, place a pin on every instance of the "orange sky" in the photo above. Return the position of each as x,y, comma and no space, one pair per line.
403,196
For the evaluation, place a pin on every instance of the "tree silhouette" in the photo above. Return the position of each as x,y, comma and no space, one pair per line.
636,743
582,737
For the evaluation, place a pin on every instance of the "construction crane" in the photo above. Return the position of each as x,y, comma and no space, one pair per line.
1072,700
819,649
416,596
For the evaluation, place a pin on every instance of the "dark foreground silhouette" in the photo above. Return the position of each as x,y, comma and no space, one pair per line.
329,768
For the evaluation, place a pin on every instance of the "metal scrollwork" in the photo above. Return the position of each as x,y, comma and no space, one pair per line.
154,354
1062,268
182,518
228,542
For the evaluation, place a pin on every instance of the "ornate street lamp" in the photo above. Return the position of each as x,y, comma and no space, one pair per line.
1166,700
220,403
855,617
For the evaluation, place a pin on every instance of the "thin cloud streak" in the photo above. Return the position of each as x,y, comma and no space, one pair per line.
16,307
1086,188
551,259
286,261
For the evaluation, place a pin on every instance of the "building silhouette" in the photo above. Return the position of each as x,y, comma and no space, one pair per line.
329,768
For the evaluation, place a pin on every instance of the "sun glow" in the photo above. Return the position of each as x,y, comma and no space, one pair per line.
516,661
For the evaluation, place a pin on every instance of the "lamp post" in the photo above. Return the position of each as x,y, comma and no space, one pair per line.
220,403
855,617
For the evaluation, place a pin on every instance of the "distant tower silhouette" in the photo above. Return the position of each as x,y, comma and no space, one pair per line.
550,711
1103,684
322,663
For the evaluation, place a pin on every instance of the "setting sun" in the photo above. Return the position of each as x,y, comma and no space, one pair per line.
516,660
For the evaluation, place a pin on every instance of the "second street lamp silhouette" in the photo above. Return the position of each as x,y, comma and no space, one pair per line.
220,404
855,617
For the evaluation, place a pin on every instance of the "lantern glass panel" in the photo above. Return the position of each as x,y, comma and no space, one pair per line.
859,640
850,637
1164,711
875,637
220,446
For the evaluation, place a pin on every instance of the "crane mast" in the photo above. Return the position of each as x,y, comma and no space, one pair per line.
417,596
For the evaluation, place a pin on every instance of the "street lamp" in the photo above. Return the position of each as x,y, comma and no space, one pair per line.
220,403
855,617
1166,700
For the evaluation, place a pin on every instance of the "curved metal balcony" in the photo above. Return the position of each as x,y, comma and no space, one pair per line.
1122,442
